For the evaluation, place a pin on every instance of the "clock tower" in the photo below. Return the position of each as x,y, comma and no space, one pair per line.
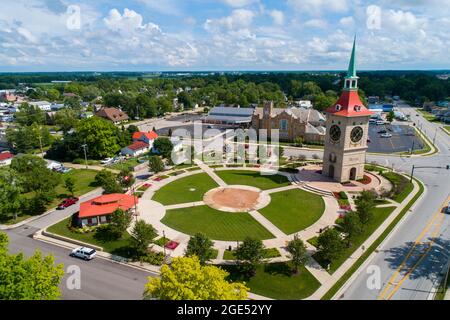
347,131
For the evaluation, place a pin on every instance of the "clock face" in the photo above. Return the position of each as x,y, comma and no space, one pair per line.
335,133
356,134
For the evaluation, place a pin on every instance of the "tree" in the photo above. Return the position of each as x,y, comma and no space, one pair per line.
351,225
249,254
67,119
141,237
101,137
200,246
390,116
298,141
69,184
28,114
164,147
187,279
329,245
155,164
35,278
120,221
364,206
108,181
297,250
10,194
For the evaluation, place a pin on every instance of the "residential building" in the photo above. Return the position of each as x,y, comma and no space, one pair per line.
5,158
135,149
115,115
99,210
43,105
303,104
147,137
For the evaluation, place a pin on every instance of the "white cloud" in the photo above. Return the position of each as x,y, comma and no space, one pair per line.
402,21
318,7
277,16
239,19
316,23
239,3
347,21
128,22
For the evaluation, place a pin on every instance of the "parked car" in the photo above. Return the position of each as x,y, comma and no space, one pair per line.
386,135
448,208
382,131
380,122
84,253
67,203
106,161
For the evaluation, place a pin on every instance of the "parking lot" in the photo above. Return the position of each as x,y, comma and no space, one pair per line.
402,140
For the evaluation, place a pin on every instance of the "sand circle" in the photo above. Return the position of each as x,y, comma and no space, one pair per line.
236,198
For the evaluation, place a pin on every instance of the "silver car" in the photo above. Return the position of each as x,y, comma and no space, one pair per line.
83,253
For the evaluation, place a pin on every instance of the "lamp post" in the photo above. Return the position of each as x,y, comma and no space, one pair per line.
164,246
84,146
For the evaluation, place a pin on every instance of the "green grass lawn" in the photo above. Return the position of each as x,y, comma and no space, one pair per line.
113,247
217,225
294,210
405,187
380,214
275,280
253,178
448,129
125,165
182,190
268,254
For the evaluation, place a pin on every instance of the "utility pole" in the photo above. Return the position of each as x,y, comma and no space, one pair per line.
435,133
84,146
412,148
412,173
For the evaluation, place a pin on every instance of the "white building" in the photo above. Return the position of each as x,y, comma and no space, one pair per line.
43,105
303,103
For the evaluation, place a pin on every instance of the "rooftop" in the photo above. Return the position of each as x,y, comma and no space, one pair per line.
107,204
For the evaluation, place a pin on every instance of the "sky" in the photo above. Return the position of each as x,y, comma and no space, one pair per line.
198,35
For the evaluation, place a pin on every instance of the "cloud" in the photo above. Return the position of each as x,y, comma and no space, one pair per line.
239,19
277,16
239,3
129,22
316,23
347,21
318,7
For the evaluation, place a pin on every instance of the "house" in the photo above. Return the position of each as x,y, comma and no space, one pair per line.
57,106
303,104
98,210
5,158
113,114
135,149
8,96
43,105
147,137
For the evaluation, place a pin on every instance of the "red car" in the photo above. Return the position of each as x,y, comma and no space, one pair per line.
67,203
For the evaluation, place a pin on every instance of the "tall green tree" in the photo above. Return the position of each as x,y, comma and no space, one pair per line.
155,164
69,184
35,278
352,226
120,221
10,194
28,114
141,237
200,246
101,137
250,254
329,245
365,204
164,147
298,253
108,181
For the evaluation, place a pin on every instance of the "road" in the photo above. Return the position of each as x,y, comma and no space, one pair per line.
412,259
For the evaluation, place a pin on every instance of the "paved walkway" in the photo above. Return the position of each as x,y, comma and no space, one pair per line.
267,224
210,172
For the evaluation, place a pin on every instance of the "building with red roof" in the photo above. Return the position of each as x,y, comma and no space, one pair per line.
6,158
142,143
98,210
347,128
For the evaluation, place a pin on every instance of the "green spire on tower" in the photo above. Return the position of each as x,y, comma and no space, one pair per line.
351,73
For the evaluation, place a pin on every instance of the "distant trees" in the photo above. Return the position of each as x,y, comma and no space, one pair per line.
108,181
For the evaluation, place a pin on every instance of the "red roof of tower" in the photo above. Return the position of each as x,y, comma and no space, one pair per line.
106,204
350,105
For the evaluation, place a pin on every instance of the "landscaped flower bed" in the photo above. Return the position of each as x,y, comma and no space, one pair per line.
342,199
365,180
172,245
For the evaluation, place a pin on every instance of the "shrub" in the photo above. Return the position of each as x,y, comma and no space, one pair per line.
153,258
343,195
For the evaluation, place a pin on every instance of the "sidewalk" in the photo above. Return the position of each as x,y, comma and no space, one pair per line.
210,172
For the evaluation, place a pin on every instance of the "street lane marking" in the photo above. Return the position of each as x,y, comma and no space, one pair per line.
392,280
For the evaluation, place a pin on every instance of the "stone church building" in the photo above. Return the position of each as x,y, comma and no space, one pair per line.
291,123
